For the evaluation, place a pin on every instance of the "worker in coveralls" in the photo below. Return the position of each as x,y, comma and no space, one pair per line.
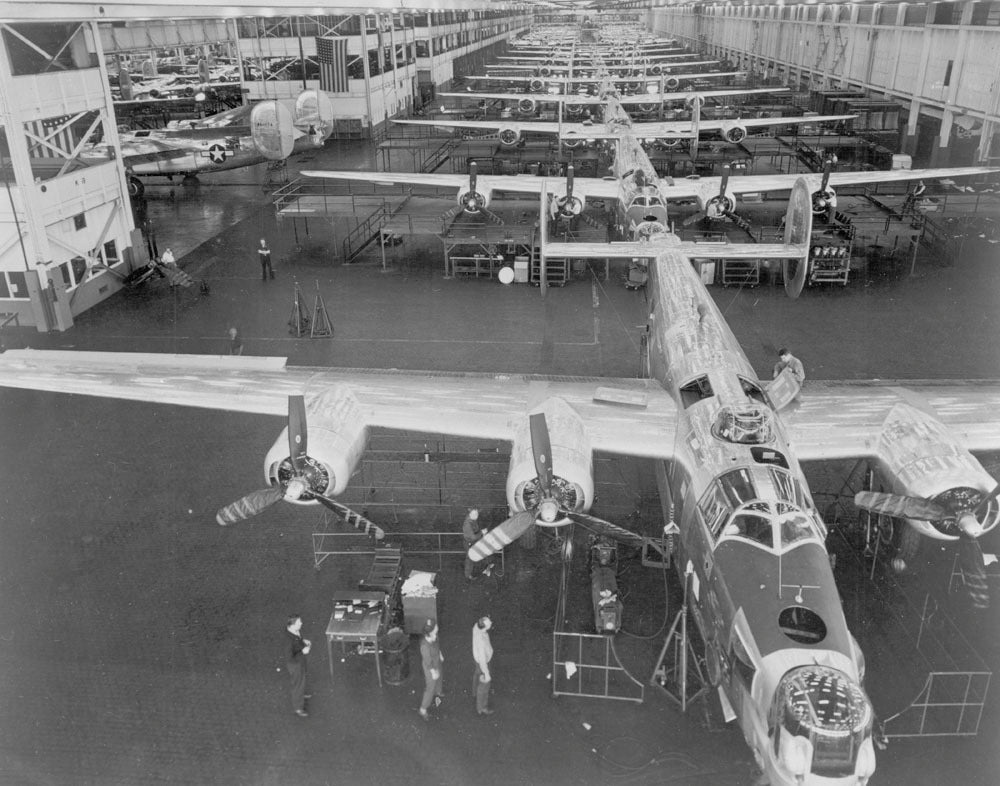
482,654
431,658
470,534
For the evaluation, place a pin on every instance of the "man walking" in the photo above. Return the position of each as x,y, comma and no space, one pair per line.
482,653
296,663
470,534
432,660
266,271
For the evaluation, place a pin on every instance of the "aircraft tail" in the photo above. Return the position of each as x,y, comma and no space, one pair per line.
798,235
272,130
314,115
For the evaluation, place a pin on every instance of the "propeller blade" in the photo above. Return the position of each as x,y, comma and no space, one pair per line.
724,183
696,128
569,183
898,506
502,536
370,527
472,177
827,169
985,502
970,555
250,505
602,527
692,219
297,444
541,447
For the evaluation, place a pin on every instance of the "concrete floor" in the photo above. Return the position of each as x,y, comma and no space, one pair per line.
141,642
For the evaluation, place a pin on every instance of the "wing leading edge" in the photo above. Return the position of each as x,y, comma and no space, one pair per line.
487,406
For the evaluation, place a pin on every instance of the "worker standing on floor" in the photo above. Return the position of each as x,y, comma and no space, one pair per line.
432,661
482,654
470,535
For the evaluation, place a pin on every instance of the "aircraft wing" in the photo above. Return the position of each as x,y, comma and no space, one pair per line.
636,99
837,420
632,417
684,188
486,125
651,250
684,127
517,184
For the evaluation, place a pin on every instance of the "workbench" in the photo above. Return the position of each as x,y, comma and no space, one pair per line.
358,617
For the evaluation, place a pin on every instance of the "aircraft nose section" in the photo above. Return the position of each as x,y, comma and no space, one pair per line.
970,526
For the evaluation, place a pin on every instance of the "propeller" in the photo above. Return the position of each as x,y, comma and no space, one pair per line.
472,201
721,205
548,511
821,198
955,506
300,484
568,206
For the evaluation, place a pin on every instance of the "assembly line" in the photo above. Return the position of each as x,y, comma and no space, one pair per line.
675,549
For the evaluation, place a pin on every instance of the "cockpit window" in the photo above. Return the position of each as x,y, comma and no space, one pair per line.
795,527
750,526
696,390
752,389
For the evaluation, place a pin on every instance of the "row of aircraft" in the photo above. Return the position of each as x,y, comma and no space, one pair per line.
728,454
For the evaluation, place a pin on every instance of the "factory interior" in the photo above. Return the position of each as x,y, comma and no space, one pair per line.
334,276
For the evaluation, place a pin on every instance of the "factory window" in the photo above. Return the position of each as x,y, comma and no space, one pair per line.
985,14
946,13
18,285
111,257
80,221
46,48
864,14
79,265
915,15
420,20
423,48
947,73
4,289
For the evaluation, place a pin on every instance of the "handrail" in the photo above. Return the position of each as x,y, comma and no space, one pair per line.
366,229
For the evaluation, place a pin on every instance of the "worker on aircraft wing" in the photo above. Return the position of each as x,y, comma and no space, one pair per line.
787,360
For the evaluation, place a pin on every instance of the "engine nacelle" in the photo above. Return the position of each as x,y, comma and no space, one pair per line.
474,201
571,461
526,106
509,136
337,437
924,459
823,200
719,205
656,69
566,207
734,132
671,83
545,71
536,85
668,142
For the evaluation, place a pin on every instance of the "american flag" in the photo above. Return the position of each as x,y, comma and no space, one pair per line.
51,137
331,52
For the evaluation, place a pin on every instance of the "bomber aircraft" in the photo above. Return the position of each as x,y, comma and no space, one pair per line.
247,135
752,553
